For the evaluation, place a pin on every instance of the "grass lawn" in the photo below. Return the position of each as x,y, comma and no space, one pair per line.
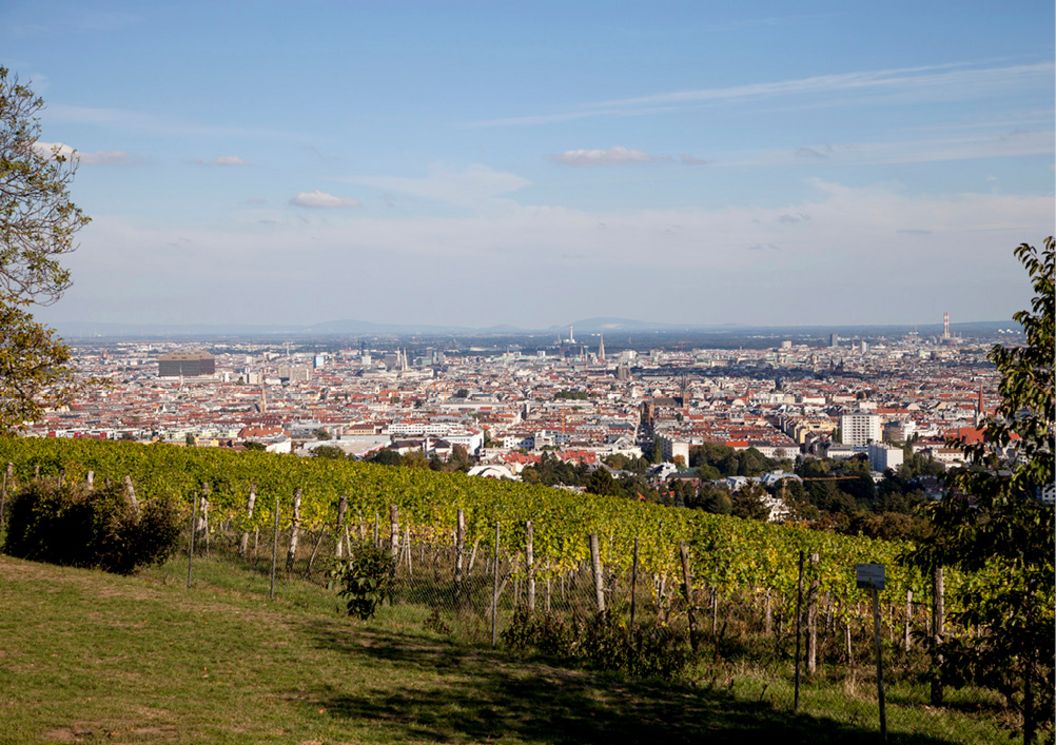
90,657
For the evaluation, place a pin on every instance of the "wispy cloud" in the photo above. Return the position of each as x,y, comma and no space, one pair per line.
461,187
600,157
322,200
61,149
226,161
953,80
129,120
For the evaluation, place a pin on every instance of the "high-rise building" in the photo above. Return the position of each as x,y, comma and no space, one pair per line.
188,364
946,325
860,429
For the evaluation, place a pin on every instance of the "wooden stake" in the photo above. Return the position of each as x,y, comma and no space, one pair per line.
529,561
130,493
394,532
812,618
596,567
634,580
907,640
879,666
937,630
295,531
687,591
495,592
190,547
274,551
799,621
342,509
460,549
251,501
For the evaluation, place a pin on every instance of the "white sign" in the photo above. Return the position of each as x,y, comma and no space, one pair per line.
870,576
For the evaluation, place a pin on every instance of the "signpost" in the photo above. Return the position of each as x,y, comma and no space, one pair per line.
871,577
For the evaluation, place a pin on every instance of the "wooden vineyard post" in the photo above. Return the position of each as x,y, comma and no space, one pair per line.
89,481
274,551
202,526
495,592
9,480
295,531
768,613
377,529
812,618
130,494
799,623
596,567
687,591
460,550
634,580
907,640
251,501
342,511
529,560
394,532
879,665
937,631
190,545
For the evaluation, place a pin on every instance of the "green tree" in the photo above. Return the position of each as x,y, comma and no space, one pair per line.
993,525
37,225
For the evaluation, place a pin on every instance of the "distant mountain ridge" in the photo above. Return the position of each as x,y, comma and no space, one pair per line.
580,328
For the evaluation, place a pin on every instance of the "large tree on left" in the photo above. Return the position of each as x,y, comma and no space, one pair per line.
38,222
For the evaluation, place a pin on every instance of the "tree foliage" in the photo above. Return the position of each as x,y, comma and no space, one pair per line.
37,225
993,524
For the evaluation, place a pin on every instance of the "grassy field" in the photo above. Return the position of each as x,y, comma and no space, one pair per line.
90,657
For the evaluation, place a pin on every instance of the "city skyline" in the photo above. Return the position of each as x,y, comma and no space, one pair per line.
493,166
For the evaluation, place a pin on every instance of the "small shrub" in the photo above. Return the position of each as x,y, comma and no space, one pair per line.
603,642
366,579
71,525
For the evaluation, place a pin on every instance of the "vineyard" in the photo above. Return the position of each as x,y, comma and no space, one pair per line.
728,555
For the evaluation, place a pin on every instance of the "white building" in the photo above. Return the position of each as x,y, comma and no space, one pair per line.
882,457
860,429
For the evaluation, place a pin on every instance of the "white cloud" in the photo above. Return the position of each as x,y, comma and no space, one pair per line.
228,161
322,200
952,81
471,186
56,149
608,156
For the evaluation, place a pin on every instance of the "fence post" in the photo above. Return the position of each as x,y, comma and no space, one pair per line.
407,549
190,547
89,481
937,630
879,665
460,548
202,526
377,529
9,480
634,580
812,618
598,569
799,623
394,532
909,615
274,551
769,613
495,591
251,501
295,531
529,560
687,590
342,510
130,493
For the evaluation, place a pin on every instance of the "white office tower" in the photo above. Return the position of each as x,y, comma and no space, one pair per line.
860,429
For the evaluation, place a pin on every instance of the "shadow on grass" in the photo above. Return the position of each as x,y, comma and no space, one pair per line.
465,694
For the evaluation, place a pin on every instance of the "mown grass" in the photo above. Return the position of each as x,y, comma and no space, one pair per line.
90,657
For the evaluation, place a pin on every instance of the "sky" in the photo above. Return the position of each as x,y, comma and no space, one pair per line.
483,163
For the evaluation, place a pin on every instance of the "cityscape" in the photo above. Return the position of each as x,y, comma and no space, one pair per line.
535,373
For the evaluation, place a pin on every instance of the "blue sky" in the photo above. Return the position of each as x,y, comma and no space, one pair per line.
483,163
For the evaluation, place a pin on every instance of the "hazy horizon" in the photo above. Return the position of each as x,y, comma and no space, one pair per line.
476,166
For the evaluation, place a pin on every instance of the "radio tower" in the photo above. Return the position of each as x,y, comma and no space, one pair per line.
946,325
601,348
